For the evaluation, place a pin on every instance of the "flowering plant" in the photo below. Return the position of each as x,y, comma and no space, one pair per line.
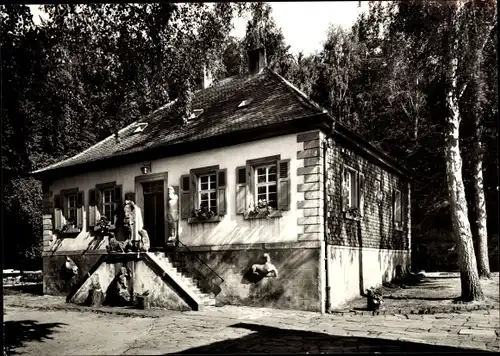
261,208
354,212
70,224
203,213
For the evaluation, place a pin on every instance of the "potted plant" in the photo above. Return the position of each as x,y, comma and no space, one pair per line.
142,300
374,299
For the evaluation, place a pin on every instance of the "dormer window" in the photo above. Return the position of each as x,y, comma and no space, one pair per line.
140,127
195,114
245,103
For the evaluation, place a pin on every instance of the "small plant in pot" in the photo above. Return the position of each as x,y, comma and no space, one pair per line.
142,301
374,299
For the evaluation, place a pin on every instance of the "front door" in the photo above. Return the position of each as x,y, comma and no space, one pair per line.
154,212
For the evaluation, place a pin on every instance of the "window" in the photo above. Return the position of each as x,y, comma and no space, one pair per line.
103,202
68,211
107,203
71,200
203,194
263,182
207,191
398,211
351,186
266,184
352,192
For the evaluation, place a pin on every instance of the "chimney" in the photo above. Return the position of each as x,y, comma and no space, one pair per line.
256,60
207,78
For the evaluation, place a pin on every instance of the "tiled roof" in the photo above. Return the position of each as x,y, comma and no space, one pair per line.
275,101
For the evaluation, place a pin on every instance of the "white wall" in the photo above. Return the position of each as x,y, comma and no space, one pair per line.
233,228
345,264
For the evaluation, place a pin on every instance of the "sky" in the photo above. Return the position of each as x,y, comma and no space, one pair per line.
304,24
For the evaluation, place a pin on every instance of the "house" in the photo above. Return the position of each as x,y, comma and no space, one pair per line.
333,211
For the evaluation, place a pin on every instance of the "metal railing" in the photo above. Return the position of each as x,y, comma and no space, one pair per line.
202,262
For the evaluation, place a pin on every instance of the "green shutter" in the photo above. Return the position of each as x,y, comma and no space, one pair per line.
185,196
98,205
284,185
79,211
221,191
241,189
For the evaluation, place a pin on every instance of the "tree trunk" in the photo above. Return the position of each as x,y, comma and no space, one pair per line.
471,288
483,262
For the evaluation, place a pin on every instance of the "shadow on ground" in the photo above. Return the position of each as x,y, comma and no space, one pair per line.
17,333
267,339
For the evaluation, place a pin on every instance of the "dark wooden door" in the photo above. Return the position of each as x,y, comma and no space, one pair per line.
154,213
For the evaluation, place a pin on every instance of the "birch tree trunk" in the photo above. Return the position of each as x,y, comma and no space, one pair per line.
471,288
480,209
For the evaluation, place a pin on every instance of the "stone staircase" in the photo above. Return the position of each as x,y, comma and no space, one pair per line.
178,274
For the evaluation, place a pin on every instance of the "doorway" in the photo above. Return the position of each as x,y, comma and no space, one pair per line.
154,212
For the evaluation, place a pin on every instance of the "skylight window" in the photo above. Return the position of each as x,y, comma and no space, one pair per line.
140,127
245,103
195,114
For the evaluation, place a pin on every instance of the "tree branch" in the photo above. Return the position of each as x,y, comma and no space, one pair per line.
488,32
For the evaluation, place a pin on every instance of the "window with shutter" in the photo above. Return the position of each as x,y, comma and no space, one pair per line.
353,195
263,187
69,217
203,194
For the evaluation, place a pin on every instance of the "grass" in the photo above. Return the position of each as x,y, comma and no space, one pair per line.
428,295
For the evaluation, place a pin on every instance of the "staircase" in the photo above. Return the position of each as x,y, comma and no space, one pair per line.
176,273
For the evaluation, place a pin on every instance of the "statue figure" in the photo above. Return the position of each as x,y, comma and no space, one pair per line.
173,214
122,285
139,238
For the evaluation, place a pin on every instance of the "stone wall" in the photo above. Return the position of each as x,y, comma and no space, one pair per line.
296,287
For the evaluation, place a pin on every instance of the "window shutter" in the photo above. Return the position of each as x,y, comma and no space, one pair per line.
404,206
117,199
343,189
284,184
98,205
57,212
241,189
361,186
394,207
92,207
79,212
221,191
185,196
64,206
